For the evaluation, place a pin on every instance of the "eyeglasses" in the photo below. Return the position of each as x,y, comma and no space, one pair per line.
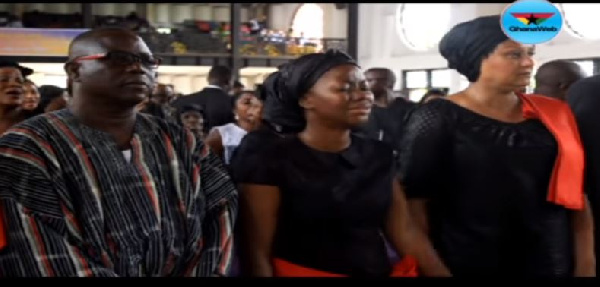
122,58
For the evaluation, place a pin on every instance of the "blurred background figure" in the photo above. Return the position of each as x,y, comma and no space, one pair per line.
192,118
12,91
52,98
158,103
214,99
238,87
381,81
31,98
554,78
247,109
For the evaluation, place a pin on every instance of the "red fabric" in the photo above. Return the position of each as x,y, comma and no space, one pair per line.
2,230
407,267
566,183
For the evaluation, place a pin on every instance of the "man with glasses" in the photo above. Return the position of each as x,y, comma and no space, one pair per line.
100,190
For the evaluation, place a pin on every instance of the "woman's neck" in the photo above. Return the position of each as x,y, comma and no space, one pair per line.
496,99
502,105
324,138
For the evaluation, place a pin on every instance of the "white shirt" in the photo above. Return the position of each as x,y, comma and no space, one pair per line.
127,155
213,87
231,136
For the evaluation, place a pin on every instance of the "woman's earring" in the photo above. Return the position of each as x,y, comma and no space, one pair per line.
236,117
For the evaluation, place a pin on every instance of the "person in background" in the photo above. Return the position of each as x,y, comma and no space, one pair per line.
318,200
496,177
554,78
31,99
214,99
12,92
100,190
158,103
381,81
431,95
223,140
191,117
52,98
238,87
388,114
584,100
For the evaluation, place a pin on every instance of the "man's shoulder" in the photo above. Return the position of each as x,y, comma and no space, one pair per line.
177,135
155,124
38,128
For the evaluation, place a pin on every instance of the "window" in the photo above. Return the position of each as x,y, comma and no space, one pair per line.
464,82
440,78
309,21
418,82
422,26
416,79
587,66
579,19
416,95
590,66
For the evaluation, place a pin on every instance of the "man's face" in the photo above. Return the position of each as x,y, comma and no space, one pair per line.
122,74
378,81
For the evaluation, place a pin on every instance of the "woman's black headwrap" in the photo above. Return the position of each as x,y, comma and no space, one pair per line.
467,44
282,90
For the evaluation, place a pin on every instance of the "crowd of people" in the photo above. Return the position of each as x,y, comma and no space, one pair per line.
318,172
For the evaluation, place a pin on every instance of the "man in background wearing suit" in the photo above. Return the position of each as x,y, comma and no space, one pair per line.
213,99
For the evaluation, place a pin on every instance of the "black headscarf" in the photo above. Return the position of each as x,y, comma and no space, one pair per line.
467,44
283,89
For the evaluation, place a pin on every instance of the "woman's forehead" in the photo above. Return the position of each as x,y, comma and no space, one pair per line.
510,44
345,73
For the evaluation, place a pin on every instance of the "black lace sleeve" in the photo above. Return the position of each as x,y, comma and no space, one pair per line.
423,149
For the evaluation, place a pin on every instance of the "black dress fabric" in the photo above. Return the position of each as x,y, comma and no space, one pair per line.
487,183
583,99
333,205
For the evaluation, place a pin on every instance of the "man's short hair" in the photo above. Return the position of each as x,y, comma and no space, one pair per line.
390,74
220,73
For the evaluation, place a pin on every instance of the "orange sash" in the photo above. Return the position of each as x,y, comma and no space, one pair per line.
407,267
566,183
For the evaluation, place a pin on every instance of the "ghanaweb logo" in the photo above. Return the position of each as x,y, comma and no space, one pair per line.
531,21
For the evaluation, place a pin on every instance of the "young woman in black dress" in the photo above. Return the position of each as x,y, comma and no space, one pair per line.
487,177
319,201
